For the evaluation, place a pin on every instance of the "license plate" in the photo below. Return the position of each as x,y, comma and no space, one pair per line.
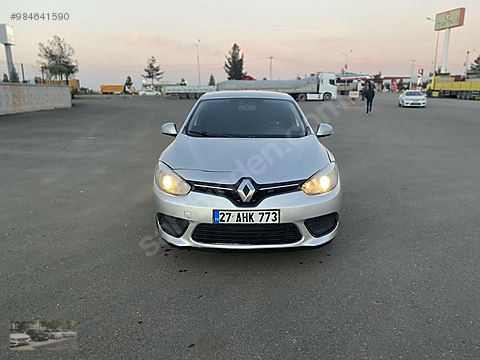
246,217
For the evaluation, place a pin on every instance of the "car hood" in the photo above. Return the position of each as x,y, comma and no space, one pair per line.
226,160
16,336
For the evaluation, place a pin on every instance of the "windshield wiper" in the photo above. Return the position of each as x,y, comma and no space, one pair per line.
207,134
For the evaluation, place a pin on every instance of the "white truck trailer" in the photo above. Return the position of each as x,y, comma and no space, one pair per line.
320,86
187,91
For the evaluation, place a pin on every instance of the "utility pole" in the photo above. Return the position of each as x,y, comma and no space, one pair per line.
271,58
411,73
466,60
198,60
23,73
466,63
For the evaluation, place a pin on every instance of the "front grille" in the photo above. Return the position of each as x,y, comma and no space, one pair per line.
249,234
262,191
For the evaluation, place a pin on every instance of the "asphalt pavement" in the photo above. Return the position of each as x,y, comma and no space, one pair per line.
401,280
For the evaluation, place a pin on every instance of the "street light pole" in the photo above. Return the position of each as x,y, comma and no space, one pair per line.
198,60
346,58
271,58
466,60
411,74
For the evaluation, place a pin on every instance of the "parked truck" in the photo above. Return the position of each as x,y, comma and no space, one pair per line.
351,82
319,86
187,91
117,89
461,87
73,84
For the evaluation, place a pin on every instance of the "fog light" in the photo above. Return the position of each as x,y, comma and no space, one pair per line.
321,225
173,226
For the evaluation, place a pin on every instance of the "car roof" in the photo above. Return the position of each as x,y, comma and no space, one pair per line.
256,94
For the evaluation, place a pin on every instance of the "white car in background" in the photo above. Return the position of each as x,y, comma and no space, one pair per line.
149,92
68,333
19,339
412,98
54,334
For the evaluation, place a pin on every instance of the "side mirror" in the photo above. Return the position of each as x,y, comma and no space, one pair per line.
169,129
324,130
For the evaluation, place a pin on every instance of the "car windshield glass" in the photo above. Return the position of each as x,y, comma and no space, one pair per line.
245,118
413,93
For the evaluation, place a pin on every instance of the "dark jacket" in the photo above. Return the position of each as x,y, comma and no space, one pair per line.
370,93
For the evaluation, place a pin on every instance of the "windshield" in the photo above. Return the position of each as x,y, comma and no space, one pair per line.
413,93
243,118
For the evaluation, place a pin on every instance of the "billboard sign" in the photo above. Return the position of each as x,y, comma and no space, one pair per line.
6,35
449,19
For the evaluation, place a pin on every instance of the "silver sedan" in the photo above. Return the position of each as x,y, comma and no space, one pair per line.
246,171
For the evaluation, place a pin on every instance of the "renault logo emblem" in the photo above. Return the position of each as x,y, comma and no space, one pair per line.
246,190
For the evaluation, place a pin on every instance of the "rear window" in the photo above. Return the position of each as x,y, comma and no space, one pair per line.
243,118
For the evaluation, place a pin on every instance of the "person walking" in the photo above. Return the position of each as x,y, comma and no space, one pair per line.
369,95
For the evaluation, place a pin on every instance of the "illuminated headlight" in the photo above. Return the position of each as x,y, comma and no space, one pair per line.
169,181
323,181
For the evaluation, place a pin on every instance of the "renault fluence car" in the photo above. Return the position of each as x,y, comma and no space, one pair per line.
247,171
412,98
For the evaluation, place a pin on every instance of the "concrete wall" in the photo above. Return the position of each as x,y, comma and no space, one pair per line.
16,98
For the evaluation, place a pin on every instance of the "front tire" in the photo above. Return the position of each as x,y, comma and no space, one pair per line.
327,97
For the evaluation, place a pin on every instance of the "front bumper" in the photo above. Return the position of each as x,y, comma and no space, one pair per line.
415,104
295,207
15,343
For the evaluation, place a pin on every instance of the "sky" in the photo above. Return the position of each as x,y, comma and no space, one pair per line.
113,39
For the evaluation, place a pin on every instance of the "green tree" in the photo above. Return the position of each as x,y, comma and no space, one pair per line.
56,56
211,81
5,78
400,85
476,64
15,78
20,325
234,64
152,71
377,79
127,88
